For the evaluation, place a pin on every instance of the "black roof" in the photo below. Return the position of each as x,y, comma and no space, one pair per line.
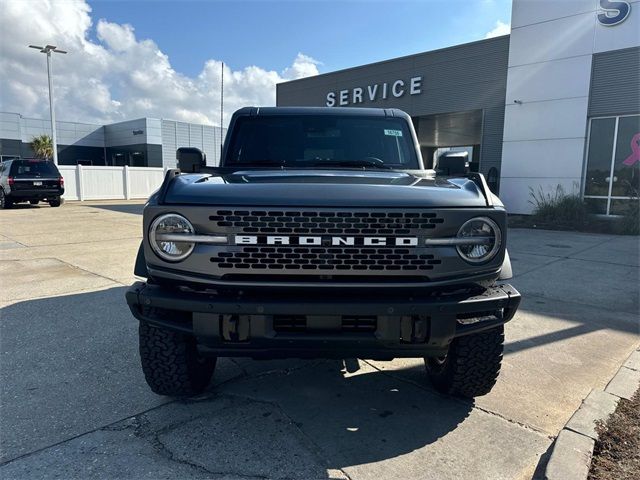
355,111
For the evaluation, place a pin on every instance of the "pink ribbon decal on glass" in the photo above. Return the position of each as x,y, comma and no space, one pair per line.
635,151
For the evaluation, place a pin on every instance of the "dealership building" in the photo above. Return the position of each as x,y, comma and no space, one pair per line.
555,104
145,142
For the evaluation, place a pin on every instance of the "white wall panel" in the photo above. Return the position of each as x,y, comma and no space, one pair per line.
169,143
527,12
35,123
143,181
564,118
182,134
561,38
10,126
103,183
623,35
195,136
108,183
561,158
70,175
209,144
556,79
154,131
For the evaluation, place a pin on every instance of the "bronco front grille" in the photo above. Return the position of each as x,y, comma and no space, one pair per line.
322,258
330,222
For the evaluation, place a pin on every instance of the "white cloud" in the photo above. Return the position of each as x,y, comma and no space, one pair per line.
118,77
303,66
501,28
117,37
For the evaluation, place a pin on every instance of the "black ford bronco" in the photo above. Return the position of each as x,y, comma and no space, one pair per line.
321,234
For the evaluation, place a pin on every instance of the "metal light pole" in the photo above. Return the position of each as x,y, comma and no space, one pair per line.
221,107
48,49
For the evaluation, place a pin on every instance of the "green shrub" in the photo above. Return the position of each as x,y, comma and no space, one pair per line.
558,209
629,223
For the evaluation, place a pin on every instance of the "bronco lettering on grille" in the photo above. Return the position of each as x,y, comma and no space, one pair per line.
319,240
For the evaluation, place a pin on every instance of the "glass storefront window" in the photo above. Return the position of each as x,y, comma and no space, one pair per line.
624,207
626,164
599,155
597,205
612,176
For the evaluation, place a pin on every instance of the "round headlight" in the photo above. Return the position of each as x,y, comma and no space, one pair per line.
484,240
162,237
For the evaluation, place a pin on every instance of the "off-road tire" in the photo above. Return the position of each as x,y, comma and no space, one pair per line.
4,201
55,202
171,363
471,367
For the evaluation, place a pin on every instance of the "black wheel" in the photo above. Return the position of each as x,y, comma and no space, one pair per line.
33,202
471,367
171,362
4,201
55,202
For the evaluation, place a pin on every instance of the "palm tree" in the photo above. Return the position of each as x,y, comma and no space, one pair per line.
42,146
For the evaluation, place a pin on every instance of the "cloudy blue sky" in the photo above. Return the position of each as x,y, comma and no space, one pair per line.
270,33
131,59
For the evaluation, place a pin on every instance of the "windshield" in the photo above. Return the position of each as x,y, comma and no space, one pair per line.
33,168
317,141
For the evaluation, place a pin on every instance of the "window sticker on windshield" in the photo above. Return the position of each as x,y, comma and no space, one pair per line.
393,133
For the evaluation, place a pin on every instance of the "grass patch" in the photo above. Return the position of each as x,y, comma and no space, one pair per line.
617,452
558,210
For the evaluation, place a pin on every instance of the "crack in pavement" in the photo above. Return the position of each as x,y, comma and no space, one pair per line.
142,427
71,265
79,435
312,446
526,426
80,243
144,431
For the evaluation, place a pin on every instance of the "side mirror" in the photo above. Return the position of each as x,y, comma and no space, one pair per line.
190,159
455,163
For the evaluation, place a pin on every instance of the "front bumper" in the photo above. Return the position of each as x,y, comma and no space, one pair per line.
398,325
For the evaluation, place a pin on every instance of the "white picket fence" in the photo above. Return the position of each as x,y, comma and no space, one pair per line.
109,183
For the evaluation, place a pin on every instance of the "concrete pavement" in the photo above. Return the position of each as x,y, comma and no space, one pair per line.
73,402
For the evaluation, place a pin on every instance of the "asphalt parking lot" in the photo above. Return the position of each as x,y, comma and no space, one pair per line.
74,403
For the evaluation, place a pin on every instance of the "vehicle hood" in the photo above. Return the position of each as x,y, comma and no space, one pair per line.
353,188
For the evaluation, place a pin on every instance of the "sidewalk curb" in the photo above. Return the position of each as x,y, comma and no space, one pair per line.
572,450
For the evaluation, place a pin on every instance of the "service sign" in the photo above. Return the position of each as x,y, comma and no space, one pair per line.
375,92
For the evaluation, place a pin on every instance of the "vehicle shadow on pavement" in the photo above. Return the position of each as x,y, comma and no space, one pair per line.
135,209
71,377
28,206
352,418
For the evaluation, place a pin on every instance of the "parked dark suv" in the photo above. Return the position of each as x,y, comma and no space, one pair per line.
30,180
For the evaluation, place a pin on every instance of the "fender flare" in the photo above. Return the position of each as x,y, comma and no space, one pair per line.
140,268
